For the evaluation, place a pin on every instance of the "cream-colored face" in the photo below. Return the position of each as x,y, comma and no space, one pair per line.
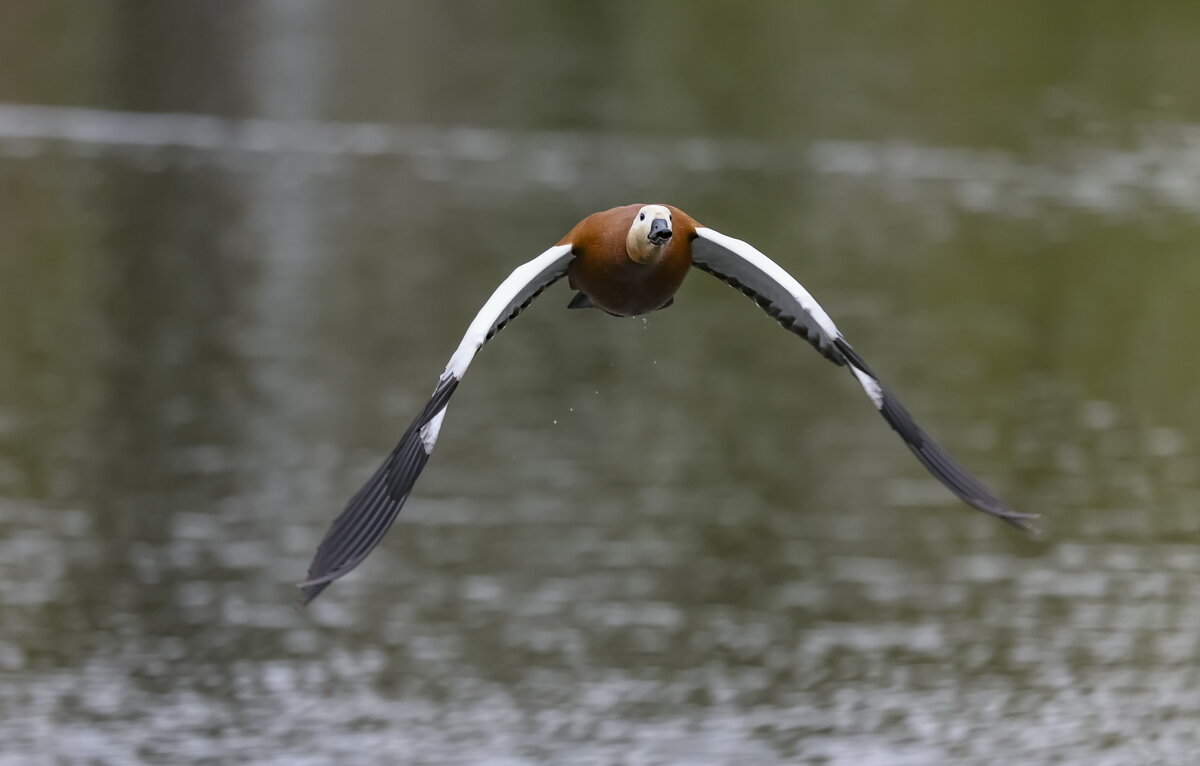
646,238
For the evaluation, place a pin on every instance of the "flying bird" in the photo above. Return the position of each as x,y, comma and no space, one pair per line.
625,261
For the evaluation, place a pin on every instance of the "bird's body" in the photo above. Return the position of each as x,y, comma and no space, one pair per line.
603,271
627,261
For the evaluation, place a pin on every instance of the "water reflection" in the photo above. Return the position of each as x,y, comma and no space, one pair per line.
679,540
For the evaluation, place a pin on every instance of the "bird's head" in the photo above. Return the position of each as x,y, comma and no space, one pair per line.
650,230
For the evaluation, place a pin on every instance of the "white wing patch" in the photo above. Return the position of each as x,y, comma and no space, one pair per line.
429,431
767,281
775,272
529,278
870,385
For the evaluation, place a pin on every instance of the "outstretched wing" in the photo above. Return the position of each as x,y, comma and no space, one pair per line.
739,264
369,514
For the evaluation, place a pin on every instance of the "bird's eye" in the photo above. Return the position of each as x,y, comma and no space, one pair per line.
642,217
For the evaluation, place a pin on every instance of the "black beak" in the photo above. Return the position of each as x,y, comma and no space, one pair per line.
660,231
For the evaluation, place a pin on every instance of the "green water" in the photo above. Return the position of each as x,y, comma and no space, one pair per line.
239,250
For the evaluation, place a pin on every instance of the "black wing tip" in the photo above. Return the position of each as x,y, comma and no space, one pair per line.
317,582
310,591
978,497
1026,522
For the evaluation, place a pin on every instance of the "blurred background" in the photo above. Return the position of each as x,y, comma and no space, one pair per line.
239,242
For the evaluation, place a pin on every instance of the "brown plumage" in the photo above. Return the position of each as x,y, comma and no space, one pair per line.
604,271
627,261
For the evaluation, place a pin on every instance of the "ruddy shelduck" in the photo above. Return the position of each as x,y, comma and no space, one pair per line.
626,261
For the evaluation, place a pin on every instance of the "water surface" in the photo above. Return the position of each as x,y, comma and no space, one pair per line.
239,248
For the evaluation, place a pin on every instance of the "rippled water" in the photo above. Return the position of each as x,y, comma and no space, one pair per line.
234,262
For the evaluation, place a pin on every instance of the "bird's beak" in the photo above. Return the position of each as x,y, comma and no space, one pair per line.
660,231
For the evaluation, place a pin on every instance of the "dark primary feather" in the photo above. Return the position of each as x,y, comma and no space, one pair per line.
369,514
553,272
935,459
